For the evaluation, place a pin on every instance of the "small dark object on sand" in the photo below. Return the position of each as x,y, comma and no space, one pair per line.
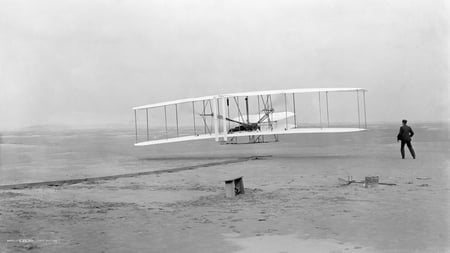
350,181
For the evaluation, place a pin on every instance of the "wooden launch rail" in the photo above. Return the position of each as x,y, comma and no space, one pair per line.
57,183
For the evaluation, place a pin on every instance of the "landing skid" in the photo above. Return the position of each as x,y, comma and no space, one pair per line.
252,139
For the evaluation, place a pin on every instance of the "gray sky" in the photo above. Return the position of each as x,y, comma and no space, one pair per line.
88,62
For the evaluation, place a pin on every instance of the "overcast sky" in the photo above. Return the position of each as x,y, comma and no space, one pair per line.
88,61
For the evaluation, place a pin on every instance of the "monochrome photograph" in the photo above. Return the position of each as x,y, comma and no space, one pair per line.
316,126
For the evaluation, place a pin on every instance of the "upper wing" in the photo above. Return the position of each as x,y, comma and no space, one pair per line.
250,93
173,102
290,91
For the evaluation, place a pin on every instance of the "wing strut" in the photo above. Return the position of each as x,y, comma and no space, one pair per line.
212,118
193,116
216,119
204,120
224,121
365,116
285,109
269,97
135,124
246,110
236,100
259,108
146,112
328,115
165,121
359,117
295,116
228,115
176,115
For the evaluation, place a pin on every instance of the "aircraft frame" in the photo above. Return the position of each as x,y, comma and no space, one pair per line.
216,118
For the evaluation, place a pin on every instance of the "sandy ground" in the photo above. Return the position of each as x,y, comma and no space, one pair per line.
293,203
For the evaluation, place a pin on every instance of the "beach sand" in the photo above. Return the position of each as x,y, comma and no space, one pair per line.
293,200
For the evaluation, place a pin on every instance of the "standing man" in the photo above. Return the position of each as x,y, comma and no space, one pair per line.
405,135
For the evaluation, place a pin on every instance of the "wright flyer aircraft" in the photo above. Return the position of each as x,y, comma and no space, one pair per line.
250,117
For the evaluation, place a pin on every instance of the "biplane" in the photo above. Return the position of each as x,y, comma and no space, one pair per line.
256,117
